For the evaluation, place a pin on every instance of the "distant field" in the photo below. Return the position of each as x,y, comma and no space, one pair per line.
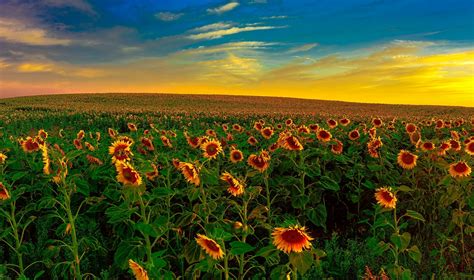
221,104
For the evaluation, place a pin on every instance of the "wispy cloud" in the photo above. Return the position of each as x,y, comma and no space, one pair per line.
303,48
227,47
215,34
275,17
224,8
77,4
13,30
212,26
168,16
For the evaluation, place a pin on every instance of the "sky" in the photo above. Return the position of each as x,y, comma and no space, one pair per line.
402,52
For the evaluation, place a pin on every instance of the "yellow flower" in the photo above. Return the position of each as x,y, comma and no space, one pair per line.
291,239
138,271
210,246
385,197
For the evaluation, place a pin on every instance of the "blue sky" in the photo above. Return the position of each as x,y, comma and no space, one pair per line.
66,43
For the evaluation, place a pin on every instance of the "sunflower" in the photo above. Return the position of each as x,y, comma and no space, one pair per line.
303,129
273,147
260,162
189,172
291,143
337,148
112,133
291,239
210,246
29,145
4,194
236,156
120,151
80,135
410,128
89,146
138,271
235,188
43,134
289,122
443,148
267,132
454,135
415,138
166,142
211,149
354,135
314,127
427,146
377,122
46,161
77,143
230,137
439,124
332,123
252,141
406,159
385,197
469,149
3,158
127,175
258,126
132,126
237,127
152,174
373,132
455,145
344,121
194,142
94,160
324,135
459,169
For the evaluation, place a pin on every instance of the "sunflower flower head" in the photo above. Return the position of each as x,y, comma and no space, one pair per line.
211,149
459,169
189,172
4,194
291,239
139,272
235,187
120,151
385,197
127,175
211,247
406,159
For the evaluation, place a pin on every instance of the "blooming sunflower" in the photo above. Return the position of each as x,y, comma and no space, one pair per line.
80,135
132,126
43,134
385,197
4,194
314,127
138,271
112,133
289,122
237,127
3,158
252,141
332,123
406,159
267,132
190,172
344,121
260,162
427,146
459,169
415,138
337,148
439,124
469,149
258,126
148,144
410,128
354,135
29,145
443,148
455,145
77,143
303,129
377,122
236,156
211,149
324,135
291,239
235,188
127,175
194,142
120,151
291,143
210,246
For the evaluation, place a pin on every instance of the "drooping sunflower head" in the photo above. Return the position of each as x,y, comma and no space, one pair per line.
385,197
190,172
337,148
236,156
291,143
291,239
120,151
4,194
139,272
211,149
211,247
406,159
3,158
235,187
459,169
127,175
94,160
29,145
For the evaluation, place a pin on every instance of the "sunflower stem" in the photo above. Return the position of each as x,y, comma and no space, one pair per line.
145,235
17,239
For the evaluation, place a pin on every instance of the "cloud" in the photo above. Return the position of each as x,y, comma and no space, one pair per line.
212,26
168,16
234,46
215,34
77,4
275,17
13,30
224,8
303,48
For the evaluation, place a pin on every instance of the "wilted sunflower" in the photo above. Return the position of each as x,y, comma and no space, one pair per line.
291,239
406,159
260,162
190,172
267,132
469,149
324,135
337,148
127,175
210,246
120,151
354,135
29,145
236,156
459,169
291,143
235,188
385,197
4,195
3,158
138,271
211,149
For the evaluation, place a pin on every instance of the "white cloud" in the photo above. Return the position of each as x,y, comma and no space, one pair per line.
233,46
303,48
215,34
212,26
168,16
275,17
13,30
224,8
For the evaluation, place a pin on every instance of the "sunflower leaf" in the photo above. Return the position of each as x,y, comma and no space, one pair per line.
415,215
239,248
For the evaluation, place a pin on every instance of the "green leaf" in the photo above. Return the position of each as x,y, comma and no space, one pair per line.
146,229
299,201
318,215
238,248
401,240
404,188
374,167
415,253
18,175
271,255
302,261
279,273
415,215
192,252
118,214
328,183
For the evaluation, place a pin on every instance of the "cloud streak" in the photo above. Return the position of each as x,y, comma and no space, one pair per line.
223,9
215,34
13,30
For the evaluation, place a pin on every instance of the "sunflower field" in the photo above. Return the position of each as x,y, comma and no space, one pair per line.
176,195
